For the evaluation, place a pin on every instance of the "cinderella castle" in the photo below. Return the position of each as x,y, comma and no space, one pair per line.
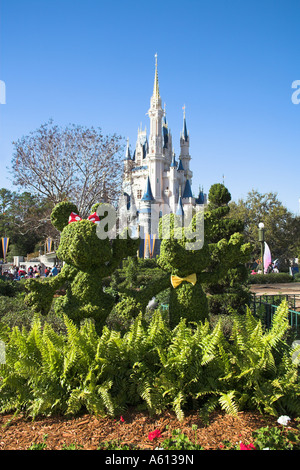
152,174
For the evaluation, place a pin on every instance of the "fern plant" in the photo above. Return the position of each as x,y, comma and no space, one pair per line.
150,366
262,373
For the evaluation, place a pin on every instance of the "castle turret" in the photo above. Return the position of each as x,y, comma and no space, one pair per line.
185,147
179,210
152,161
127,164
173,184
155,155
145,217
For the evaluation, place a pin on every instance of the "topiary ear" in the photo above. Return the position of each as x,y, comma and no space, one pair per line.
61,213
98,204
95,207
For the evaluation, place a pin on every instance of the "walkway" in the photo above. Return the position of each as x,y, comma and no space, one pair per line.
290,288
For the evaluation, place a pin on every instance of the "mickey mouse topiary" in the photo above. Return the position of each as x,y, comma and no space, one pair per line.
187,270
87,260
192,269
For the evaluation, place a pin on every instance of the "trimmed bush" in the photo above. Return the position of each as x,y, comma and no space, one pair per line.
11,288
272,278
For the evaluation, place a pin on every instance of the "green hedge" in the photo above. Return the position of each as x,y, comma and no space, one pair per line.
272,278
11,288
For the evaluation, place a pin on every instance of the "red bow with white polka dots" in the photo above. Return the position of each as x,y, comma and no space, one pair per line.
76,218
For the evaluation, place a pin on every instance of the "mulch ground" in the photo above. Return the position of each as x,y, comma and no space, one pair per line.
88,432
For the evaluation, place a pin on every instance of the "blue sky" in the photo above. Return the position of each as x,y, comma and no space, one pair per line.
232,63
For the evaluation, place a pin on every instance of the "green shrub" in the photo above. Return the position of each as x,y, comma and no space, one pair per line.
271,278
222,304
297,277
14,312
11,288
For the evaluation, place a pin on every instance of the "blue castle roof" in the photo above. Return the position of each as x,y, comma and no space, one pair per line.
187,190
200,199
148,192
179,210
180,167
185,132
173,163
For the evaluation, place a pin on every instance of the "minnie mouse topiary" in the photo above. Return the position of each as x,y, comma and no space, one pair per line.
87,261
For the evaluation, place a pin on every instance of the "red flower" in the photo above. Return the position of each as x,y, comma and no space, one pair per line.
122,419
247,447
154,434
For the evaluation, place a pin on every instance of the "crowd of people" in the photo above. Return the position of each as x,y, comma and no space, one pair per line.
272,268
17,273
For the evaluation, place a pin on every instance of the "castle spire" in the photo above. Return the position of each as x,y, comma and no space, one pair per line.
184,134
148,197
127,156
156,85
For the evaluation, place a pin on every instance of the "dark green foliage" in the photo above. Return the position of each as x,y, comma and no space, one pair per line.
15,312
131,271
10,288
88,259
218,195
297,277
149,281
225,303
272,278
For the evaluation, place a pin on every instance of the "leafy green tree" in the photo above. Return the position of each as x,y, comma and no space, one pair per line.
282,228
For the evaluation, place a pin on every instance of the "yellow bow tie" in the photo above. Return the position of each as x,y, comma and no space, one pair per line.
176,280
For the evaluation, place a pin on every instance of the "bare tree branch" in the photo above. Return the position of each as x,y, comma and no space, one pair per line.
75,162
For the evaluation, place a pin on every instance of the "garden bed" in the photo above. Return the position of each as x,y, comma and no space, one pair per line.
89,432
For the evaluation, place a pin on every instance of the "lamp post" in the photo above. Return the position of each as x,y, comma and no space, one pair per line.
261,239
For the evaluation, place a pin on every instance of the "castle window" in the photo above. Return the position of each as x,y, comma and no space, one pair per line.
139,194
